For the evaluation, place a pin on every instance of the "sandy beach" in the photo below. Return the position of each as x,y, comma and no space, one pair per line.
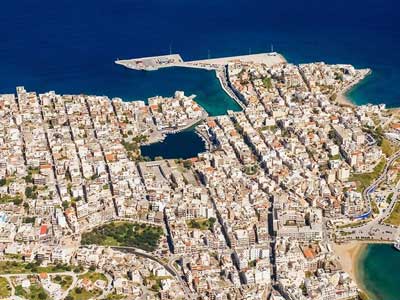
343,100
341,97
348,254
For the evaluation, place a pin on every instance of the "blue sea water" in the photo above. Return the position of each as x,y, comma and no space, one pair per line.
69,46
378,270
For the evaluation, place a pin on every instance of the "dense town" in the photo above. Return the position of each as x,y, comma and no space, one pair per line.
84,216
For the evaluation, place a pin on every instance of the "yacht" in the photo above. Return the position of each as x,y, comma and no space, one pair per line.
396,244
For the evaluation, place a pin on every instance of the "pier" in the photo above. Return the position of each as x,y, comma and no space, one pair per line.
175,60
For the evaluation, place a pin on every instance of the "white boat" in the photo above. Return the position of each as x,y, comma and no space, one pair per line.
396,244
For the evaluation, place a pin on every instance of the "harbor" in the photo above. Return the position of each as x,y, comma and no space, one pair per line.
175,60
219,65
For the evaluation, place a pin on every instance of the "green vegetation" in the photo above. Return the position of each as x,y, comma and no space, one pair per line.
364,180
130,146
335,157
272,128
82,294
376,133
15,267
374,207
137,235
394,218
93,276
65,204
115,297
5,289
64,280
31,192
354,224
155,282
34,292
29,220
136,141
252,263
338,76
202,224
17,200
250,170
187,164
388,148
267,82
94,177
389,198
78,269
6,181
13,256
140,139
31,171
133,147
309,274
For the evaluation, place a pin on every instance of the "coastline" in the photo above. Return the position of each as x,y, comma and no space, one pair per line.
342,96
349,254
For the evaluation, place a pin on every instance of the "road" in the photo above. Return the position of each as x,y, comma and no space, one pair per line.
375,229
381,178
168,266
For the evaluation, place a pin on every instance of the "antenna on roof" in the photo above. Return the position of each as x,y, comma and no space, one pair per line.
249,51
208,55
272,47
170,48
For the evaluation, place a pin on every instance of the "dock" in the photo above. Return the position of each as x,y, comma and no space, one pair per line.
151,63
175,60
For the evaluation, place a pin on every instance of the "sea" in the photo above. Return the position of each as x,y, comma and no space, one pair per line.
378,267
70,47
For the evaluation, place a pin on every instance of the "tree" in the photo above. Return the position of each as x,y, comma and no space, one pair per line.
65,204
187,164
3,182
42,295
30,192
17,201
